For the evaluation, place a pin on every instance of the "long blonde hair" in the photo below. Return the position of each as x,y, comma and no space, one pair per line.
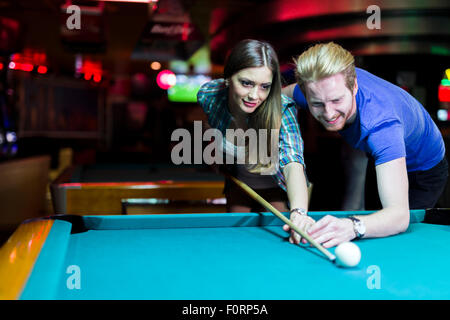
322,61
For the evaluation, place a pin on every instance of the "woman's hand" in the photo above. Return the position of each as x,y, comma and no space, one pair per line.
303,222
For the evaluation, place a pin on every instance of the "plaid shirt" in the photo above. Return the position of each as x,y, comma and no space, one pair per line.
213,97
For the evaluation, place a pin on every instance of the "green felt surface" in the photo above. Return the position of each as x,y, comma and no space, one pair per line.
245,256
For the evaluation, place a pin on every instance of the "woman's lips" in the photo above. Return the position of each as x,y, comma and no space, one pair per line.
249,104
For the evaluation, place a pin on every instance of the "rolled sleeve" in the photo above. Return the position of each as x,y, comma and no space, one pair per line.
291,142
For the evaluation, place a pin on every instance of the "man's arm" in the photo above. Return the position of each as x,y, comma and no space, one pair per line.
289,90
392,180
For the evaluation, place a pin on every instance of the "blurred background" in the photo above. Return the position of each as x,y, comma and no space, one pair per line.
101,95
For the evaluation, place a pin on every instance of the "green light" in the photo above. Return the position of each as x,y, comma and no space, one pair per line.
440,50
182,93
445,82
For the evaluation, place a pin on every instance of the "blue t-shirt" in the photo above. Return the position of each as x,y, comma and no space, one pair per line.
390,124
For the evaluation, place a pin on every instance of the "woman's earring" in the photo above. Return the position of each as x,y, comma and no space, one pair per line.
227,82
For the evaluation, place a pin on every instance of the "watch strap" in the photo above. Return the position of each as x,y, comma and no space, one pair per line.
356,221
300,211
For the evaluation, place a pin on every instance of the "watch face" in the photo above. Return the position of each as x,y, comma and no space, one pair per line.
360,227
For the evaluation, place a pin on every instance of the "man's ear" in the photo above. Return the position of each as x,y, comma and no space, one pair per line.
355,87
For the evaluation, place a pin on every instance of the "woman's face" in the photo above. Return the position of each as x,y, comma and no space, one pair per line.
249,88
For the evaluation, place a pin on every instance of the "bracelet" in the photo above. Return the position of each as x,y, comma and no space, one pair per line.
300,211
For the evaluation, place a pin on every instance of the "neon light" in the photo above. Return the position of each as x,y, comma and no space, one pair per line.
26,67
155,65
42,69
132,1
185,32
97,77
442,114
444,93
166,79
134,185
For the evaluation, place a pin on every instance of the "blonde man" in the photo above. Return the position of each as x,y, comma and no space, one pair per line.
387,123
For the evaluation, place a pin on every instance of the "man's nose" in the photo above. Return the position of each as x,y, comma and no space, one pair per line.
328,111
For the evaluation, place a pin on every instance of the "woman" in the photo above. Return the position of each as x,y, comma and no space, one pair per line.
249,97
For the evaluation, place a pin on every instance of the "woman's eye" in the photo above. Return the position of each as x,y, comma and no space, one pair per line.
266,87
246,83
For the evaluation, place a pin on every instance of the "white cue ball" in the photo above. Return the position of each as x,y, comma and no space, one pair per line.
347,254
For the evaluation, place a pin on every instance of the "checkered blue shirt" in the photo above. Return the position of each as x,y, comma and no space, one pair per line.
213,98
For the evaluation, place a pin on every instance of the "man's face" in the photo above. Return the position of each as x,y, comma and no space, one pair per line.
331,102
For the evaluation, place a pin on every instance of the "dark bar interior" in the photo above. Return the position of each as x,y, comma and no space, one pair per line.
86,93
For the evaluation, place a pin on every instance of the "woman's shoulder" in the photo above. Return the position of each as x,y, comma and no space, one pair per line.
212,87
212,97
287,102
289,108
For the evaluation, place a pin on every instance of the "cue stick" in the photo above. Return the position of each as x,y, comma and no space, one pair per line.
272,209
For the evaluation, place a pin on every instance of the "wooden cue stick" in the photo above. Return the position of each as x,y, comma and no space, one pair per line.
271,208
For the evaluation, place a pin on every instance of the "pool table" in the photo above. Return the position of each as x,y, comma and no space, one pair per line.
130,188
219,256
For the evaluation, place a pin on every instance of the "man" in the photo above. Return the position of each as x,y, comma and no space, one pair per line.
381,119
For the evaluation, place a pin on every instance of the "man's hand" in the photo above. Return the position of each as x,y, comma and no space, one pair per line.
331,231
303,223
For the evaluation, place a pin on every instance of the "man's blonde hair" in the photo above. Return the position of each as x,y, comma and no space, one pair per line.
322,61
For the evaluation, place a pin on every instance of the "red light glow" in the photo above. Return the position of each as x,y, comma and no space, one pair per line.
91,69
132,1
42,69
444,93
166,79
185,32
27,60
26,67
97,77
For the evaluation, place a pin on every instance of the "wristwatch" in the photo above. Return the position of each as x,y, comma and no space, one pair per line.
358,227
300,211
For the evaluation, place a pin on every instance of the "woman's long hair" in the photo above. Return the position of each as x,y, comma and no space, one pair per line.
250,54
